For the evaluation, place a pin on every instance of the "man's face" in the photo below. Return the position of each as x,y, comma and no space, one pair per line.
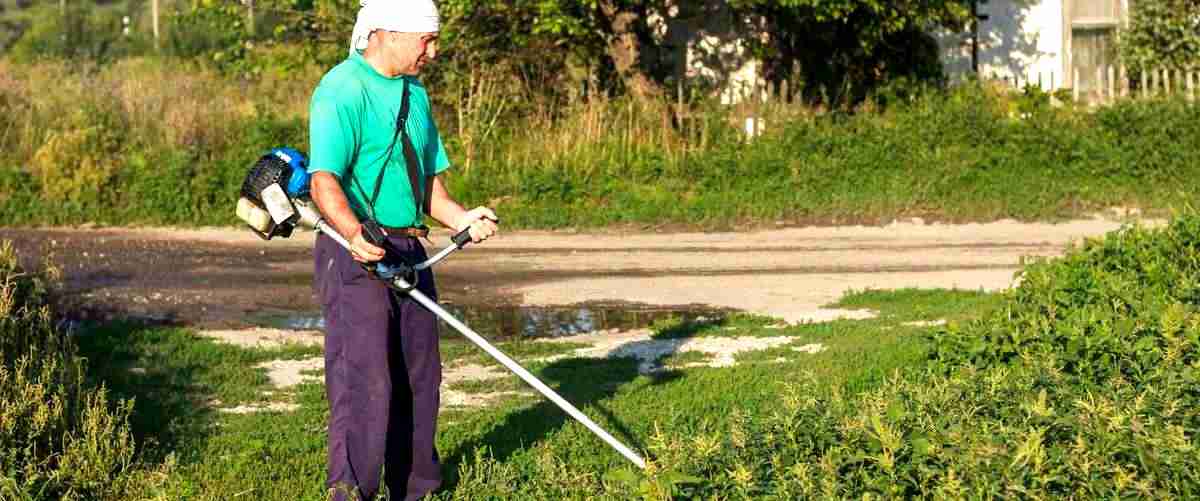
411,51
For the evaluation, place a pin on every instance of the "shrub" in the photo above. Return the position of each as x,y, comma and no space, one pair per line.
60,438
1121,307
1081,386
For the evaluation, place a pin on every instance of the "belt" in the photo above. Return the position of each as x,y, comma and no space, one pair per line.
407,231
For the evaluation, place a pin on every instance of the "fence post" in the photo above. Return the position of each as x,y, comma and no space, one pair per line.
1075,84
154,17
1166,82
1145,85
1191,86
1154,81
1124,82
1112,83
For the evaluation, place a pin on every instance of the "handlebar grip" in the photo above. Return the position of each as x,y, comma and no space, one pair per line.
462,238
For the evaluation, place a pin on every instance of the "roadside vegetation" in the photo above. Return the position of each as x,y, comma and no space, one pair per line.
62,436
1077,383
136,143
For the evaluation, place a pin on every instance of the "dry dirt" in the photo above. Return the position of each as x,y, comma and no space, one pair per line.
229,278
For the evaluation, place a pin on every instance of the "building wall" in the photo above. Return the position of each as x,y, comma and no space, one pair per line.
1021,42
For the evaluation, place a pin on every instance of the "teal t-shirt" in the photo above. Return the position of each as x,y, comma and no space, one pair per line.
352,120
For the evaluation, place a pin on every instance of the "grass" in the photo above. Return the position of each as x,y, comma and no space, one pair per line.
275,455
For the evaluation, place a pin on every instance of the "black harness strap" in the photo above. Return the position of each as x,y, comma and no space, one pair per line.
410,160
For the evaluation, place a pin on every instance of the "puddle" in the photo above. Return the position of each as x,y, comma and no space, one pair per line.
528,322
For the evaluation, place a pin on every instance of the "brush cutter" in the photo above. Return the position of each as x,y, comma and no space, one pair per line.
275,201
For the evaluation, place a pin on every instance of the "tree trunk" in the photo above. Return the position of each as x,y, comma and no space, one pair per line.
625,46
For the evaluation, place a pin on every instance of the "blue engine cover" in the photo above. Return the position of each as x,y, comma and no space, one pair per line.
298,182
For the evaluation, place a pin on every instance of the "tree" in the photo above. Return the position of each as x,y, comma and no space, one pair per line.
844,48
599,34
1162,33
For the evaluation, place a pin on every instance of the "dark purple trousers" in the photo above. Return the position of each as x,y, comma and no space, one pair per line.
382,372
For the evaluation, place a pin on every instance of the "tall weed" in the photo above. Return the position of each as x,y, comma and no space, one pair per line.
1081,385
60,437
165,141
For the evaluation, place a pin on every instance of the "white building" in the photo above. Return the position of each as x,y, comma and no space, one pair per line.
1049,43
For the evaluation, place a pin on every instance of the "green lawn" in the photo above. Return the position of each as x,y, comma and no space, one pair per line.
523,443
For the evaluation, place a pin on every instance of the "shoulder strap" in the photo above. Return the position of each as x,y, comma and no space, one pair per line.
410,158
410,161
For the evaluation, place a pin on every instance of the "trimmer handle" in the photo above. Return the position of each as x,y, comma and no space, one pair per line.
462,238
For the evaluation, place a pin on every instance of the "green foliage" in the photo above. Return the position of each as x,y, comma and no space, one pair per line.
1079,384
60,438
84,32
1121,307
1162,34
106,150
847,49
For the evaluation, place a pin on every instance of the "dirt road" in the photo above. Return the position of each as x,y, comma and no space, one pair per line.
227,277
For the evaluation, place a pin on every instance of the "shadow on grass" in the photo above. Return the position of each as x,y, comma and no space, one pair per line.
583,382
145,364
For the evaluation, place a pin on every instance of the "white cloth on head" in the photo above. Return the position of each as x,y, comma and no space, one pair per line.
405,16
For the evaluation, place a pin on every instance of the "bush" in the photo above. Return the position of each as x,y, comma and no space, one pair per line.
60,438
86,32
1082,386
1122,307
1162,34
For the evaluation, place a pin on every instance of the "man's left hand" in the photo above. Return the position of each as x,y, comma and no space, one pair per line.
481,221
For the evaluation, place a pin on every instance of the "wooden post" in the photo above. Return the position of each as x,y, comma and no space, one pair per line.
1112,83
1154,81
250,17
1099,84
1145,85
1191,86
1166,82
1124,82
154,22
1075,84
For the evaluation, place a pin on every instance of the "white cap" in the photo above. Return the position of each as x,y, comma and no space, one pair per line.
405,16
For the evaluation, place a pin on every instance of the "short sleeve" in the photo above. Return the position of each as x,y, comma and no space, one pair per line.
332,129
440,161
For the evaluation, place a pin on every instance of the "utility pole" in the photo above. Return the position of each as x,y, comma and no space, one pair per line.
976,17
154,16
249,16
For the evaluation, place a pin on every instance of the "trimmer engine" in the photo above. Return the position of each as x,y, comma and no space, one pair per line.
274,197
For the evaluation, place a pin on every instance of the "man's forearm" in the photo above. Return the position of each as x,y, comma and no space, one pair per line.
443,207
331,200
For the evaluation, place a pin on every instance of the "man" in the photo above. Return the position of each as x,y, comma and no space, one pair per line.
382,365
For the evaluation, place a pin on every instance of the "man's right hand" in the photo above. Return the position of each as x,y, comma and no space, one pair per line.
364,251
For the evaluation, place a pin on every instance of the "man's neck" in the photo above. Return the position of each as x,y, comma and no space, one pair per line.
380,63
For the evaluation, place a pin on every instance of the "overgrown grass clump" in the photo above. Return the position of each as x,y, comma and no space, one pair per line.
60,437
1081,383
161,141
